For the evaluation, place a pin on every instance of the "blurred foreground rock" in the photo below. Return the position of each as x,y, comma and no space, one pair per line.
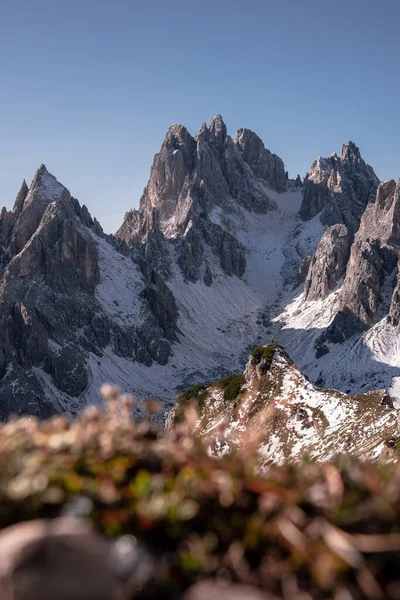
61,559
215,590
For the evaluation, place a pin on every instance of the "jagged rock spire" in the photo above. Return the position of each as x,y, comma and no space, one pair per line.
192,175
218,129
20,199
350,152
339,188
266,166
374,256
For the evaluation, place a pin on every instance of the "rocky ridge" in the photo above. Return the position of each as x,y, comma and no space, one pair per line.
368,291
287,418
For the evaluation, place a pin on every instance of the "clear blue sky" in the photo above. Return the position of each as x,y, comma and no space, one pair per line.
90,87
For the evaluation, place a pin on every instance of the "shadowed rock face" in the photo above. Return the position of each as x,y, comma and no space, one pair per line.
339,188
369,281
190,177
328,264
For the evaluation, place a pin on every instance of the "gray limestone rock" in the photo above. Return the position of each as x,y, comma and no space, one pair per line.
193,176
328,264
265,165
339,188
369,277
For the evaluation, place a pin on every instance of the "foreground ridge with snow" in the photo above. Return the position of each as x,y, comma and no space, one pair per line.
277,410
224,251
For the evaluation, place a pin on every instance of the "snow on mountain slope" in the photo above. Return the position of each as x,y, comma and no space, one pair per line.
288,418
217,324
120,284
365,362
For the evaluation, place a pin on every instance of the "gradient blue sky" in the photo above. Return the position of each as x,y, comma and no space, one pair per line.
90,87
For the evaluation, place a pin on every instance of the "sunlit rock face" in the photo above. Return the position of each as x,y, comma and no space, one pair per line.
338,188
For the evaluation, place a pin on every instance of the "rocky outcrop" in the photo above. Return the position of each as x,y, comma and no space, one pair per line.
265,165
339,188
328,264
277,410
366,295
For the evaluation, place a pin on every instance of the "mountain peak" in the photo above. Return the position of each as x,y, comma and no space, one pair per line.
350,151
265,165
50,188
218,129
20,199
177,135
339,188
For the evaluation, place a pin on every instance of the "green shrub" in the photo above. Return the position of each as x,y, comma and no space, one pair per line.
265,353
232,385
197,392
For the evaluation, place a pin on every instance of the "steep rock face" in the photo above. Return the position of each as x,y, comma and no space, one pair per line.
369,283
8,220
189,179
264,164
278,410
328,264
51,316
339,188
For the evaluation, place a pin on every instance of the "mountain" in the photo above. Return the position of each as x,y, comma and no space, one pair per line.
224,251
274,407
71,303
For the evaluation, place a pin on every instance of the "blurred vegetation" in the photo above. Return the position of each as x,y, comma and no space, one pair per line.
310,532
197,394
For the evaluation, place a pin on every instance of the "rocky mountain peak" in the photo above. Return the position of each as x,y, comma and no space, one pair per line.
203,132
350,152
20,199
218,130
177,137
190,178
44,188
339,188
370,279
267,166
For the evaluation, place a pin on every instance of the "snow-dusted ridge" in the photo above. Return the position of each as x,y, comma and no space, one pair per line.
288,418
